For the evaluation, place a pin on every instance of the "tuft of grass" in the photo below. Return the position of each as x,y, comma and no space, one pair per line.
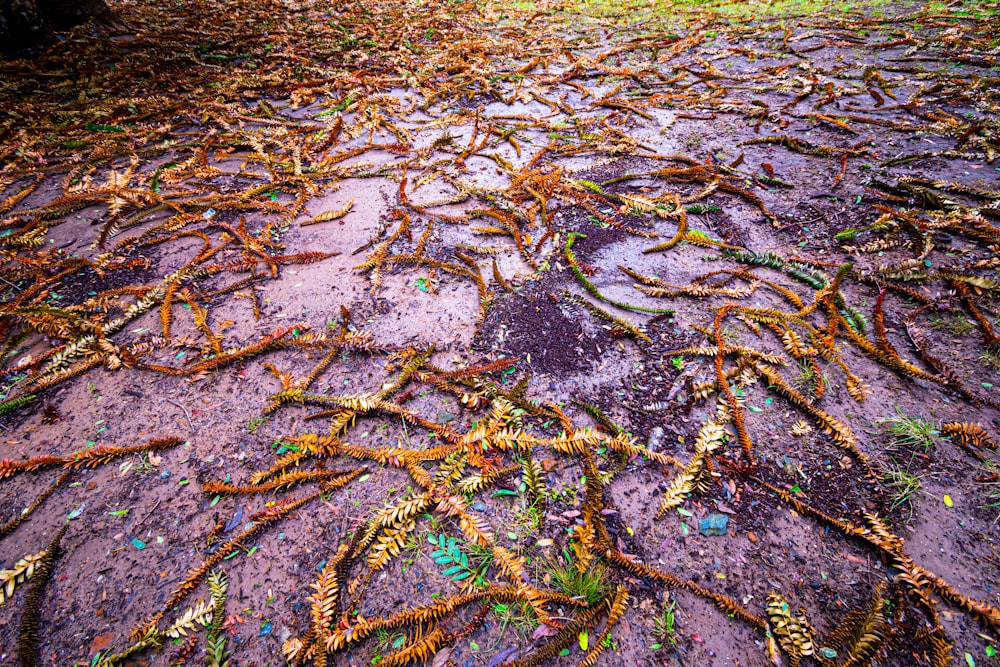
990,358
588,584
956,326
805,379
910,432
903,484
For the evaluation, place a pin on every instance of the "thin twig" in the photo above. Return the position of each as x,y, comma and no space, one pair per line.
187,415
149,513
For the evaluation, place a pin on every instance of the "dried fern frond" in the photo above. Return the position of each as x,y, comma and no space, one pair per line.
331,215
199,614
793,631
27,637
801,427
862,632
20,572
389,544
710,438
969,434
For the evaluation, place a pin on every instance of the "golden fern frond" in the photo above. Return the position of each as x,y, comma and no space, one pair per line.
618,606
794,345
969,434
793,631
449,470
405,510
331,215
418,651
327,594
389,544
478,482
860,630
199,614
533,476
16,575
857,389
801,427
838,431
710,437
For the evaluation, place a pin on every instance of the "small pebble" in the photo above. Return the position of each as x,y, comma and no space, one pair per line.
655,438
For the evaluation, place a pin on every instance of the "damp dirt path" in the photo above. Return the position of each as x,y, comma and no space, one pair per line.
516,333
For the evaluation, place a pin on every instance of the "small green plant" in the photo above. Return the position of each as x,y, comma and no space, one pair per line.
956,326
805,379
255,423
459,566
678,363
663,625
907,431
587,584
518,616
990,358
902,483
385,643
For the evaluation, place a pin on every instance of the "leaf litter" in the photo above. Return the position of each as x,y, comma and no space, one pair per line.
788,203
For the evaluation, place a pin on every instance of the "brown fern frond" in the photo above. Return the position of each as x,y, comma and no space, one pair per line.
285,480
969,433
710,438
838,431
196,574
478,482
27,637
25,514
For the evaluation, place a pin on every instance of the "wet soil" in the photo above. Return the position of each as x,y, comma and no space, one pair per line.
140,523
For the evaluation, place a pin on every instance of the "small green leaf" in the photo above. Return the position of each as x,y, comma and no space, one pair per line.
432,539
138,544
474,646
123,512
948,502
465,574
437,553
399,641
969,660
684,512
504,492
796,489
443,560
252,551
990,651
564,652
656,647
454,569
91,127
584,640
364,478
215,501
754,408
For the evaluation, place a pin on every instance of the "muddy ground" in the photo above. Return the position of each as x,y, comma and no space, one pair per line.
494,158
